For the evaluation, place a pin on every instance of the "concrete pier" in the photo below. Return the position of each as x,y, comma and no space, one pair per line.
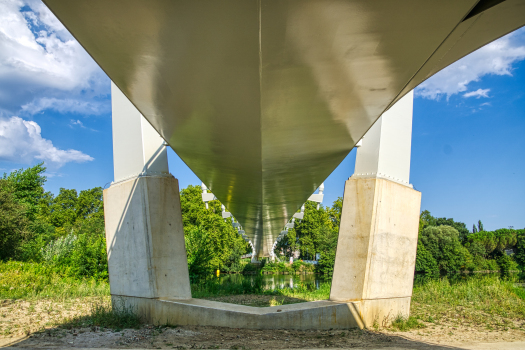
145,239
144,233
376,250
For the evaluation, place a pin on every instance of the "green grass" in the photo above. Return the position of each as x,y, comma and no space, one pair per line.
116,317
477,300
22,280
489,301
403,324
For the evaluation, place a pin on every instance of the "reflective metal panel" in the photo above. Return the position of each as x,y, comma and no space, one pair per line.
264,98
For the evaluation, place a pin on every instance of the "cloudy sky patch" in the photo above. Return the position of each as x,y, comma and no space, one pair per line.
496,58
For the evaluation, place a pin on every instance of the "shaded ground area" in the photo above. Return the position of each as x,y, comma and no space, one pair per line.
149,337
62,324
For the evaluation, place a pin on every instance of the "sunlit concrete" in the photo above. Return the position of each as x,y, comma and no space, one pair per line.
376,249
309,315
144,233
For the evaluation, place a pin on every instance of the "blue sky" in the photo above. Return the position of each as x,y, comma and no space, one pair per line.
468,141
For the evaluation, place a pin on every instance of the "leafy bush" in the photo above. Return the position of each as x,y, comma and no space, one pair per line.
519,256
276,267
442,242
327,262
59,250
13,222
425,262
211,242
506,263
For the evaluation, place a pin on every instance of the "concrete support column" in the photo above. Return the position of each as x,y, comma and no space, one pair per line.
144,233
376,250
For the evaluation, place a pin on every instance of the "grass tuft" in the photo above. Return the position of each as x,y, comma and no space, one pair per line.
103,315
403,324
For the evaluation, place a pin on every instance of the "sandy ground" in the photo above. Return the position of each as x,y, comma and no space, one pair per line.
150,337
39,324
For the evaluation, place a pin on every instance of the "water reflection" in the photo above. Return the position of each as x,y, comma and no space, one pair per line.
275,281
205,286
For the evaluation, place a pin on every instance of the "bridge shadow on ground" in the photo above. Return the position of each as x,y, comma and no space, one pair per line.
77,335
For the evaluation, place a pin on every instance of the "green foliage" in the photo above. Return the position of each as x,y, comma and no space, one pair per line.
276,267
28,189
484,249
425,262
211,243
444,245
426,219
497,240
30,280
506,263
316,233
520,249
403,324
490,294
65,232
13,222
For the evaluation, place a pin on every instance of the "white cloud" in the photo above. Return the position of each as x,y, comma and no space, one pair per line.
39,59
21,142
495,58
478,93
65,106
77,122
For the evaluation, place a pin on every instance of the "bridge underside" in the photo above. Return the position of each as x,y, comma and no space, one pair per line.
262,99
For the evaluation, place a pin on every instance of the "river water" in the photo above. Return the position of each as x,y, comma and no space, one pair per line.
278,281
275,281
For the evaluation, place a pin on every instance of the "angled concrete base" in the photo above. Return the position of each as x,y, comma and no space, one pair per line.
311,315
376,250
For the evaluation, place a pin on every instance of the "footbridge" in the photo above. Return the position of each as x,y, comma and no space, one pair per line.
263,99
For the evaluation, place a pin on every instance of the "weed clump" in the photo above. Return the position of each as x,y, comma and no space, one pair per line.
403,324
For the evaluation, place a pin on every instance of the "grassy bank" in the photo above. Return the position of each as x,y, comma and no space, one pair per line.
34,297
22,280
490,301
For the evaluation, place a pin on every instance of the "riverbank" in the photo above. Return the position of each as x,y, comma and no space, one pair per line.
40,304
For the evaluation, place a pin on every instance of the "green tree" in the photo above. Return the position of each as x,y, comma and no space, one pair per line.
444,245
480,226
220,244
425,262
13,222
519,256
28,186
63,211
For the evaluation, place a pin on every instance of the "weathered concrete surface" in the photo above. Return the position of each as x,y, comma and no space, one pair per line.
376,250
145,239
310,315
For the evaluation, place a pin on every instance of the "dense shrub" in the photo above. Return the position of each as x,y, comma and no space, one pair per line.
425,262
211,242
444,245
520,249
13,223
